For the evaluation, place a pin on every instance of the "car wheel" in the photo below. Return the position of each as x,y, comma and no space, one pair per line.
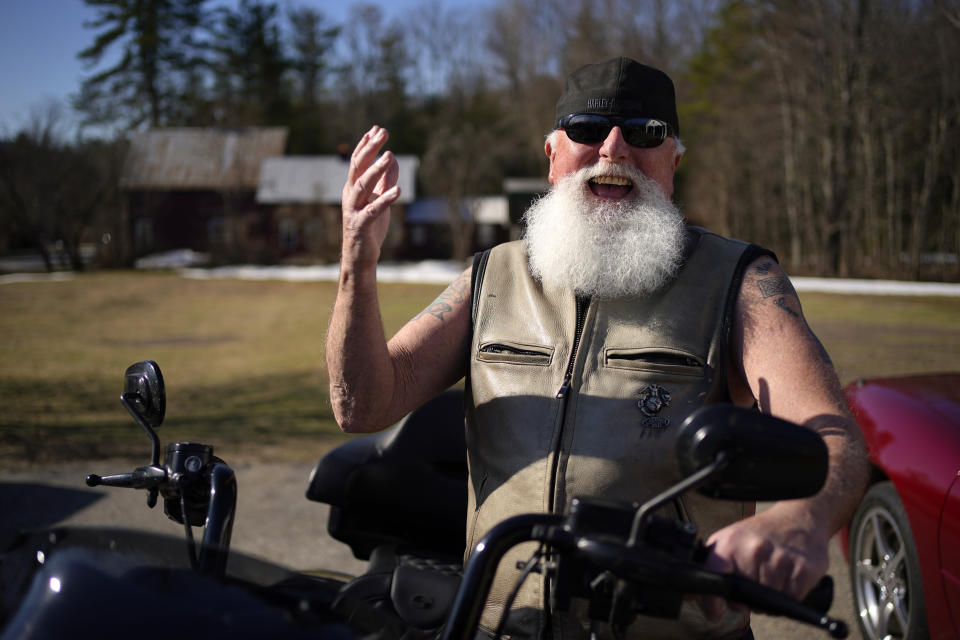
884,571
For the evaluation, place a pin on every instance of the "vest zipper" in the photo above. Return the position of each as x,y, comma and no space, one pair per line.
582,304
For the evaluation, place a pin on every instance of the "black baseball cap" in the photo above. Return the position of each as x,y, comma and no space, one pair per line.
621,87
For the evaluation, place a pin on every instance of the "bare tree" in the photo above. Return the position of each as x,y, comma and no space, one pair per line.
52,192
455,170
847,161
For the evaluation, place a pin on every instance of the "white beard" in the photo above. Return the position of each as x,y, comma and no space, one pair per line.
605,248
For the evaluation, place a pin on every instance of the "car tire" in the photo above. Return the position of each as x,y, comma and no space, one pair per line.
884,570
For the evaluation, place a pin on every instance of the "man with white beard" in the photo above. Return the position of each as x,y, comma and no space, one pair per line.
587,343
606,248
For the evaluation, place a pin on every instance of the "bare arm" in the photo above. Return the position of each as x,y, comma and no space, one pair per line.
372,382
786,369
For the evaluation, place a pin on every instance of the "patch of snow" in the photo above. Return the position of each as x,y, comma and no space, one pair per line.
444,272
876,287
425,272
176,259
187,262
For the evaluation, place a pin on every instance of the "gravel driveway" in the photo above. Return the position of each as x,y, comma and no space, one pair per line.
274,521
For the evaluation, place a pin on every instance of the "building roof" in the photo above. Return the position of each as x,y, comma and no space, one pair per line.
320,179
199,158
485,210
525,185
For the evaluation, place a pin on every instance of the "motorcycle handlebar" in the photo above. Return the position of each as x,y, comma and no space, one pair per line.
219,499
464,616
641,565
766,600
631,563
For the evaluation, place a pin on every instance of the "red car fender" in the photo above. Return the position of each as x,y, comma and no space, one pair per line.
950,551
910,428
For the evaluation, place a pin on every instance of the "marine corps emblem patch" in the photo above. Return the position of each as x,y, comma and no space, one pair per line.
651,400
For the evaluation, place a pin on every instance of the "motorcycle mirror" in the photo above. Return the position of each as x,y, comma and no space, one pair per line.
144,394
766,458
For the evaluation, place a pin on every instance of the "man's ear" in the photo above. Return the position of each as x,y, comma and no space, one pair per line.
549,150
678,150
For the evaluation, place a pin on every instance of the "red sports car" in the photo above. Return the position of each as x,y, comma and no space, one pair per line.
903,543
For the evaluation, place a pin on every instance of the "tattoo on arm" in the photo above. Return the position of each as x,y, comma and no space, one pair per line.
456,293
770,287
782,287
783,304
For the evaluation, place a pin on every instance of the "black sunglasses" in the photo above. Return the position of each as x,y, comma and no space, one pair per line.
588,128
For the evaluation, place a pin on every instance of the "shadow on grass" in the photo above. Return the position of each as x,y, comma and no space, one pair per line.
56,421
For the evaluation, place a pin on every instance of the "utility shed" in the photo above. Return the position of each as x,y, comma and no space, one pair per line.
521,192
303,193
195,188
438,228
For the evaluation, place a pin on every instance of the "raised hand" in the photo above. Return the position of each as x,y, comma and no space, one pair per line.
370,189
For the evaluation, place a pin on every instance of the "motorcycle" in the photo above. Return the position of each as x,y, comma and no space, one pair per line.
624,560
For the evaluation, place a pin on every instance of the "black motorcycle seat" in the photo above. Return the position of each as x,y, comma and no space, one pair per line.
431,434
406,485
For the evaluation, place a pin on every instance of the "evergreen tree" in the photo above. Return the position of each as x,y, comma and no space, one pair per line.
251,66
158,48
312,41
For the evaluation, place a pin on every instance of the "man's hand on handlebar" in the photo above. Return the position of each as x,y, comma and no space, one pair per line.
770,550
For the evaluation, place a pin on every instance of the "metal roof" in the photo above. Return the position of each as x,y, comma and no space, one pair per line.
320,179
484,209
525,185
198,158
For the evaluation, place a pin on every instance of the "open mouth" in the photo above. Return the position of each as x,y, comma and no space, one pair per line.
613,187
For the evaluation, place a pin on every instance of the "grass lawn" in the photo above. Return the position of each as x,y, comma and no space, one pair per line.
244,365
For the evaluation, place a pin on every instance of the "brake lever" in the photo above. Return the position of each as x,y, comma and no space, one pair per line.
149,477
141,478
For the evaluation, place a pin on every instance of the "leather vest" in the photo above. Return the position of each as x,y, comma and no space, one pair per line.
569,397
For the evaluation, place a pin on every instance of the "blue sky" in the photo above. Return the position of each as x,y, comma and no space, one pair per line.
39,41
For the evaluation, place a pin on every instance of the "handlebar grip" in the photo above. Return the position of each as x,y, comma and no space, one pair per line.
766,600
821,597
117,480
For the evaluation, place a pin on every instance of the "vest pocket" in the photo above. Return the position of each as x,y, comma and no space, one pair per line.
515,353
656,359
